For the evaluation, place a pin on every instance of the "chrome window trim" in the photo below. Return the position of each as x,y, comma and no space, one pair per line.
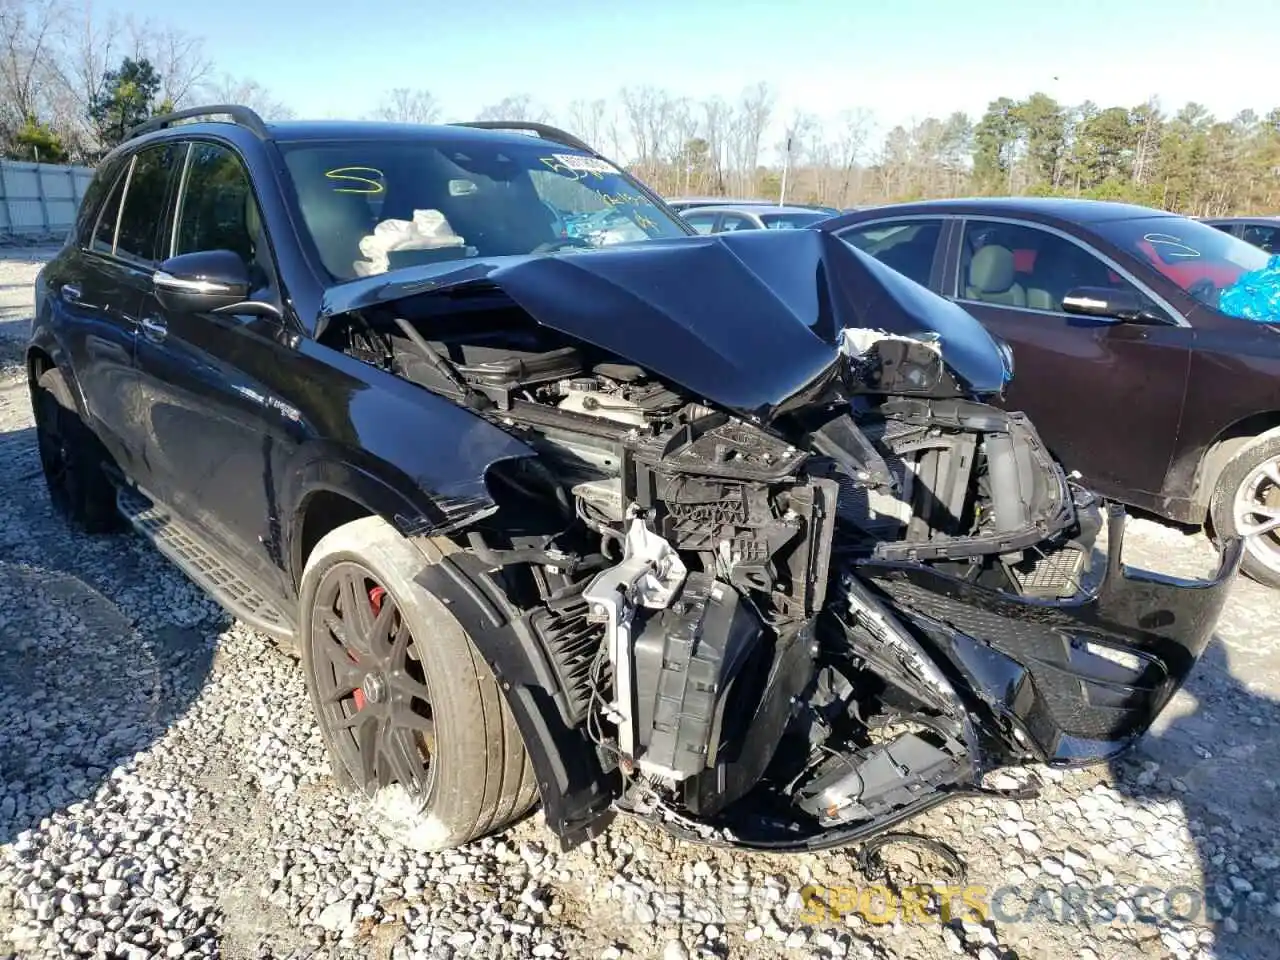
180,199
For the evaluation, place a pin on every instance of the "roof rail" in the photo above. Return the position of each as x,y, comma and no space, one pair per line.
545,131
241,116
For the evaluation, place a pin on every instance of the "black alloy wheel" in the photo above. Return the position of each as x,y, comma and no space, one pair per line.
372,695
72,459
56,456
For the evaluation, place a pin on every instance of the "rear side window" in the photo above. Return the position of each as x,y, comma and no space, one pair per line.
702,222
907,245
144,203
217,209
100,190
1267,238
104,234
735,221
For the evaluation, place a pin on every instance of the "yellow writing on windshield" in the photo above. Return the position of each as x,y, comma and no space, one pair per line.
356,179
624,199
574,167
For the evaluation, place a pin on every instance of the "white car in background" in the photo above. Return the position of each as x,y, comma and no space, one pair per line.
722,219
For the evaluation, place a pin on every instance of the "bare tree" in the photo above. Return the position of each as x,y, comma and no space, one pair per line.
717,120
851,140
28,31
90,50
519,106
645,112
403,105
248,92
590,121
755,110
180,60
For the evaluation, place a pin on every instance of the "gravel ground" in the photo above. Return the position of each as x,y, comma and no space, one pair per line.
164,793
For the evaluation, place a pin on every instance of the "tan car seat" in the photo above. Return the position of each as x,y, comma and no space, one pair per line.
991,276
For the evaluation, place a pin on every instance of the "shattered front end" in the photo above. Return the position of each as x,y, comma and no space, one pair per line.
775,573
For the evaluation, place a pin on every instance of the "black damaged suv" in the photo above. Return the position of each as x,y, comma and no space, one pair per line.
558,502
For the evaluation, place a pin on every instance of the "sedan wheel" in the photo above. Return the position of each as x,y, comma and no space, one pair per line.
1246,504
1257,512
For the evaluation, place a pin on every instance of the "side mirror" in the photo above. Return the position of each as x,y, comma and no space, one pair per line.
202,282
1112,304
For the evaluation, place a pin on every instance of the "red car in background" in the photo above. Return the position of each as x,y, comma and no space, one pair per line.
1133,375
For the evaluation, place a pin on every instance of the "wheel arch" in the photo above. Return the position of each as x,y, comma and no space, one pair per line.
1227,445
44,353
39,361
329,491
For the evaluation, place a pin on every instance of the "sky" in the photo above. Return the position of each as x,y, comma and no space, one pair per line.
903,60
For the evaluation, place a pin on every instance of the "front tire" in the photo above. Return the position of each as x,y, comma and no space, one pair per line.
72,458
1246,503
411,714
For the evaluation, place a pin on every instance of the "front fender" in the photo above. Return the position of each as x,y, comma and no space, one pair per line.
576,789
380,488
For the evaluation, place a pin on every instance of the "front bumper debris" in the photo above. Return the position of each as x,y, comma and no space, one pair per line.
1075,681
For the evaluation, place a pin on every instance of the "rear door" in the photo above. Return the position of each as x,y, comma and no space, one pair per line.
96,317
105,299
1106,395
217,431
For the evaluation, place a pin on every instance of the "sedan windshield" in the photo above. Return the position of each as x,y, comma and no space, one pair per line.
1199,259
378,205
791,221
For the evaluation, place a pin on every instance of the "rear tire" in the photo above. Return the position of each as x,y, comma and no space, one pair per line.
1246,503
440,758
72,459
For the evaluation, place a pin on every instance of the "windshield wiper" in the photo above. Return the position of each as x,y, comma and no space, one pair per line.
473,397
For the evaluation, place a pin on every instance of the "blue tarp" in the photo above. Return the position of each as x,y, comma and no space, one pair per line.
1255,296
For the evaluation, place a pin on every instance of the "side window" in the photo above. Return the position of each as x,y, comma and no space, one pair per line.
907,246
1268,238
736,221
217,210
100,190
104,234
702,222
144,202
1023,266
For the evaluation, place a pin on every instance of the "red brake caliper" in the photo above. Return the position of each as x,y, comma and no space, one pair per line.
376,595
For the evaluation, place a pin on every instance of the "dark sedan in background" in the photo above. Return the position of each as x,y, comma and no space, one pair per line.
1262,232
1123,360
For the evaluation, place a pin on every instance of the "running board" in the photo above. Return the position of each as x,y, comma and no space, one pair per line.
181,544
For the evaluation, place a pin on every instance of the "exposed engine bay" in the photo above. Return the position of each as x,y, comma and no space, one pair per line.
690,574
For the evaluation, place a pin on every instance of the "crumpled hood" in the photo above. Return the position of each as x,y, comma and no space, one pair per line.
746,320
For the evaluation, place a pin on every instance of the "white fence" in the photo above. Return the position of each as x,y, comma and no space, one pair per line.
39,199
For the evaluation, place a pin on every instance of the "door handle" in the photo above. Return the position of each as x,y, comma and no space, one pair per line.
154,329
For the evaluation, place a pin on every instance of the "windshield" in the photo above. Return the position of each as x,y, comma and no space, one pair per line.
1199,259
791,221
377,205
